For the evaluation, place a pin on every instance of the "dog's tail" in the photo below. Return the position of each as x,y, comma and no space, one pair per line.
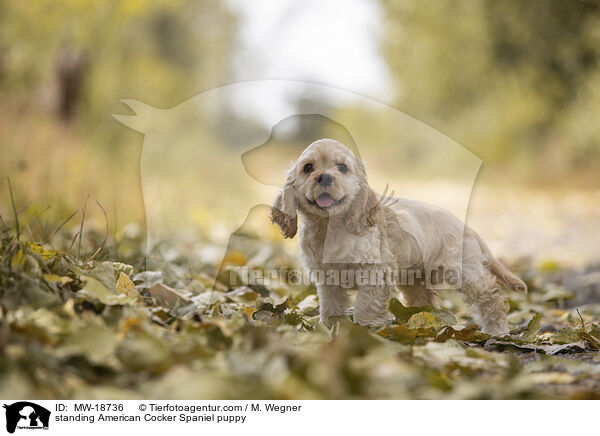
503,274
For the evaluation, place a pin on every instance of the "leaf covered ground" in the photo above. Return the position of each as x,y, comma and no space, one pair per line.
101,326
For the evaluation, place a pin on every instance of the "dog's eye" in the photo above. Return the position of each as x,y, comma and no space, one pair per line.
342,168
308,168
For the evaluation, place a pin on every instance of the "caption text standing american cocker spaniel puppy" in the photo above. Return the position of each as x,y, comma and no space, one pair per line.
384,243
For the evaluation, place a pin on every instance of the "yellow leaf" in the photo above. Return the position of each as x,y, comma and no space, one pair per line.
126,286
235,257
551,378
248,310
46,254
423,320
18,261
54,278
127,324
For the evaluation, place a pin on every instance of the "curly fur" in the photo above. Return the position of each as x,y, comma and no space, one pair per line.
361,233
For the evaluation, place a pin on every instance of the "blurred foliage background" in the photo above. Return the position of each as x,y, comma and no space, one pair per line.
517,83
65,65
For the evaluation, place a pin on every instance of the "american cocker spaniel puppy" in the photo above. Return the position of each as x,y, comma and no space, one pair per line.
383,243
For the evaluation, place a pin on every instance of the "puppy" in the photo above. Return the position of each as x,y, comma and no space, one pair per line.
347,228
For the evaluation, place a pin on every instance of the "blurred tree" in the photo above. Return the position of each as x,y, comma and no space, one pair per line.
508,79
94,52
69,75
65,65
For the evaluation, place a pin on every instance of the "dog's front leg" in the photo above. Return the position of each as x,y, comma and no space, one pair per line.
333,301
372,305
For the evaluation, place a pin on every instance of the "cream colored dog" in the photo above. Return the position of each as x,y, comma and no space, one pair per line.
384,242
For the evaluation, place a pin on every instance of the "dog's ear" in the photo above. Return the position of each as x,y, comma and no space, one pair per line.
284,210
365,206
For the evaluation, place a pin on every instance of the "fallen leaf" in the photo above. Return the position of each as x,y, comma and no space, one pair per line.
144,351
55,278
551,378
126,286
533,327
403,313
424,320
165,296
101,286
399,333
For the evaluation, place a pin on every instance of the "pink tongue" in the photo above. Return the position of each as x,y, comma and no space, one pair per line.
324,200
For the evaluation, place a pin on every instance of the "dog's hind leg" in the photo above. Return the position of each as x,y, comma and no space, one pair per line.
488,302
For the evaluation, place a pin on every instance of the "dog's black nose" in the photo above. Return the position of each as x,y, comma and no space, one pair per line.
325,180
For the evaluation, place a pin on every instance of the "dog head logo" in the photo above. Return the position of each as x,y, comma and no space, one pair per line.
216,159
26,415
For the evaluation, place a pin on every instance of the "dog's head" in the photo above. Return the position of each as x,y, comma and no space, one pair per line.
327,180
